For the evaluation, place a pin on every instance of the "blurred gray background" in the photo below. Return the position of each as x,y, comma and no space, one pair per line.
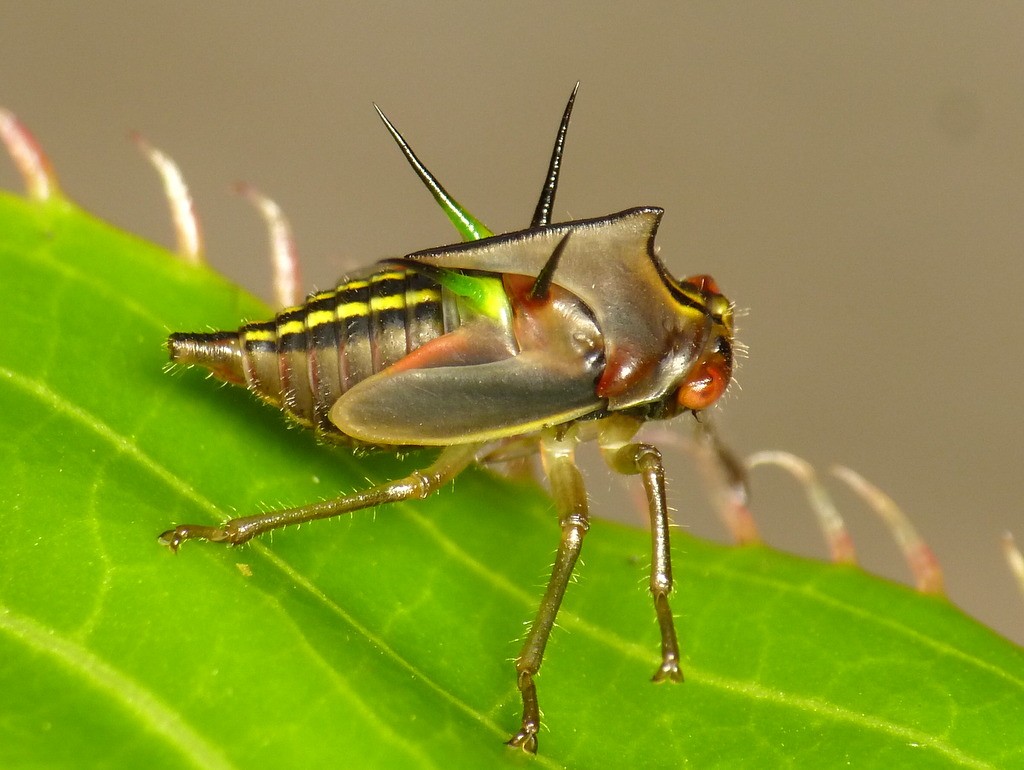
851,174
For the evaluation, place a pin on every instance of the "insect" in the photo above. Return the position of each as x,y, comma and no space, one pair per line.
537,339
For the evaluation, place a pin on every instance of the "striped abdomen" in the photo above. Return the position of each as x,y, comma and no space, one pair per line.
307,356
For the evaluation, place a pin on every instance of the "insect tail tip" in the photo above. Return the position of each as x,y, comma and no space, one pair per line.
220,352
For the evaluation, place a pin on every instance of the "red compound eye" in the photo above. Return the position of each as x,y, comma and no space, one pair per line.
704,283
706,382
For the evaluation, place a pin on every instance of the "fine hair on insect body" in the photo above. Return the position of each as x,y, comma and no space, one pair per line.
534,340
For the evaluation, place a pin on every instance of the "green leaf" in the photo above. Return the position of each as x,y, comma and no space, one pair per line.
385,639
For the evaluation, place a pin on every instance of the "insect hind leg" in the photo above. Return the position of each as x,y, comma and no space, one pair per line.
571,500
417,485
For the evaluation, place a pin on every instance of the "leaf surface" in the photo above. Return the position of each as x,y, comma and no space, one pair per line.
385,639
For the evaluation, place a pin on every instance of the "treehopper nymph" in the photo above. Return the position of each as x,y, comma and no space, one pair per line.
537,339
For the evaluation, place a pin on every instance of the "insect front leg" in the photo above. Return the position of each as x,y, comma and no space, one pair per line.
645,460
570,497
417,485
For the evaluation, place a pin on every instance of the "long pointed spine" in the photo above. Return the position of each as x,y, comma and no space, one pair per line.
542,285
469,227
542,214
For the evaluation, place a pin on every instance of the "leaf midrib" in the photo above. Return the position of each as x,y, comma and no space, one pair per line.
148,709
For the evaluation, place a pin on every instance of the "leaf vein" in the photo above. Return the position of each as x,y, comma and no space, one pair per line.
161,718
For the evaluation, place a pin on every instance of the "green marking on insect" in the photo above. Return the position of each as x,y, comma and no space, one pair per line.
469,227
477,295
537,339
